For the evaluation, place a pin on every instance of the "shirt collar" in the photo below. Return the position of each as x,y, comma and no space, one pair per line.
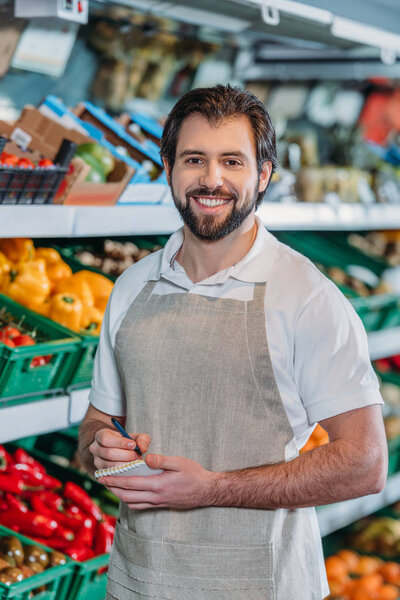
255,266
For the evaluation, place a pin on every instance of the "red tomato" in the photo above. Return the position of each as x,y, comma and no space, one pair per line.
8,160
9,332
8,342
45,163
25,163
38,361
23,340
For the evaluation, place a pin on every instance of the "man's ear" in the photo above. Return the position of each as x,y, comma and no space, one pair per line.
167,170
265,175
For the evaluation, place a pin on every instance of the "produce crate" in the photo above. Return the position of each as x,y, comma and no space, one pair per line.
17,377
32,186
394,455
56,579
378,312
89,577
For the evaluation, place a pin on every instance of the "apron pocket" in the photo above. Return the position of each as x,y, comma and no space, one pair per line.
205,571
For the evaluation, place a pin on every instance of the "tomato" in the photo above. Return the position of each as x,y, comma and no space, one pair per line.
25,163
23,340
8,160
38,361
9,332
8,342
45,163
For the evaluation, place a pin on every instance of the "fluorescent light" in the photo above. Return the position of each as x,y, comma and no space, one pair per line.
364,34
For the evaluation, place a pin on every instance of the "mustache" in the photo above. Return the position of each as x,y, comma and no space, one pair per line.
217,193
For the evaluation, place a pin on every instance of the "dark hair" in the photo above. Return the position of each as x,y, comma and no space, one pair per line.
218,103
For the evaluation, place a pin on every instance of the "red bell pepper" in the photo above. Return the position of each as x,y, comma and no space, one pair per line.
21,456
104,538
82,499
79,553
29,523
14,502
12,483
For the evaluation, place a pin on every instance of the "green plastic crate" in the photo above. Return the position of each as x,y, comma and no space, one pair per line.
378,312
17,377
89,577
57,580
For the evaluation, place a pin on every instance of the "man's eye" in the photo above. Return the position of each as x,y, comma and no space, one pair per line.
233,163
194,161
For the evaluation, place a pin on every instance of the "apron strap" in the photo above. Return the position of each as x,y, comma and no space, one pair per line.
257,304
146,292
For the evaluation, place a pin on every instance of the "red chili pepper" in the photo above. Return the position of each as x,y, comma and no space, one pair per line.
68,521
110,519
56,543
86,533
21,456
35,478
79,553
11,483
3,504
73,509
52,500
65,534
14,502
5,458
30,523
40,507
82,499
104,538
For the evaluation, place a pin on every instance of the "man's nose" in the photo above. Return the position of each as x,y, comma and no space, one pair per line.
211,177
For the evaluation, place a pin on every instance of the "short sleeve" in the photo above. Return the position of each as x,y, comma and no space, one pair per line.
332,368
106,392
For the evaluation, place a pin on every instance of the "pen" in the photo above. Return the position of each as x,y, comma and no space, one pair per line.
122,431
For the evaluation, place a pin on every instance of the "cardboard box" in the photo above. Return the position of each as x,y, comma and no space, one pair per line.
74,190
40,132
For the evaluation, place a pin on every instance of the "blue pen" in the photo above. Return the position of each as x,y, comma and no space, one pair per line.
122,431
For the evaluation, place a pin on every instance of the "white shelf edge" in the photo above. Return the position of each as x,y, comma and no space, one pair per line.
335,516
148,219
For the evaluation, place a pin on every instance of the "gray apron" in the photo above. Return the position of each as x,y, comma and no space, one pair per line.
198,378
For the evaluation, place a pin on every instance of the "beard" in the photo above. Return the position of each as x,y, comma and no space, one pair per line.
208,227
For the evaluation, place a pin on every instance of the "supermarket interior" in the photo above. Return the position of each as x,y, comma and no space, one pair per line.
86,87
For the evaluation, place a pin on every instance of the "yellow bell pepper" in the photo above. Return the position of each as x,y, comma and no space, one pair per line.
66,309
76,285
92,319
100,285
58,272
50,255
42,308
18,249
28,283
5,268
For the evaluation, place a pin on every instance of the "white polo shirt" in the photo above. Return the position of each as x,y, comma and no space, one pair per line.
317,343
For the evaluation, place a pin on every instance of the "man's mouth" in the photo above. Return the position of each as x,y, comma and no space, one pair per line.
211,202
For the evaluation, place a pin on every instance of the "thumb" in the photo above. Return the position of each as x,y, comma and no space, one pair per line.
158,461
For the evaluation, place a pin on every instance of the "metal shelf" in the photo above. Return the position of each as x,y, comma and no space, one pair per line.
338,515
146,219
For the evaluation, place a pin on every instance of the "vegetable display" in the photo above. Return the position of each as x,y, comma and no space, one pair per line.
60,516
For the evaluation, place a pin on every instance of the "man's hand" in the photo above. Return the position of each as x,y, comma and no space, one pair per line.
184,484
110,448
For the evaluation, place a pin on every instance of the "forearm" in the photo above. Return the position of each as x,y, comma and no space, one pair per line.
334,472
87,432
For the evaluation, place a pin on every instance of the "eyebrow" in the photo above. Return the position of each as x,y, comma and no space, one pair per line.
200,153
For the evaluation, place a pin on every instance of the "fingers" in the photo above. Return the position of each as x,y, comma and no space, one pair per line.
169,463
135,497
107,438
110,448
143,441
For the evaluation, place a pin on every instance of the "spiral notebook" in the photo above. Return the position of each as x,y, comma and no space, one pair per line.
135,467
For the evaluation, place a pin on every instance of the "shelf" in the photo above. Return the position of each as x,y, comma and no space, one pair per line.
43,416
147,219
384,343
338,515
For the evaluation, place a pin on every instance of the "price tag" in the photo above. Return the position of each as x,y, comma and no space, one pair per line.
20,137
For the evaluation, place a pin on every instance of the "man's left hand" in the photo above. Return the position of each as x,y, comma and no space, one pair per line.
184,484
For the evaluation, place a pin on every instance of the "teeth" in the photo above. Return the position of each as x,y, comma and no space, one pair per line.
211,201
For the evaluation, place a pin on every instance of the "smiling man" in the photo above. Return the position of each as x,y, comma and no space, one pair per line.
220,353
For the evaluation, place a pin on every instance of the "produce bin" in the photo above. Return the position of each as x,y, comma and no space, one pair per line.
56,579
89,577
17,375
31,186
378,312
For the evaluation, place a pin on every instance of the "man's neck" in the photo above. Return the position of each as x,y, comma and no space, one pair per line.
202,259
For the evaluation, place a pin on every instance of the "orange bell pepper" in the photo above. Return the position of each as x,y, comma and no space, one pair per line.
5,269
66,309
92,319
50,255
28,282
18,249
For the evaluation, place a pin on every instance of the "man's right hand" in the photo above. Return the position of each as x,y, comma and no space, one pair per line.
110,448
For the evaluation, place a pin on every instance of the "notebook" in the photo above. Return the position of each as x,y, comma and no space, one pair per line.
135,467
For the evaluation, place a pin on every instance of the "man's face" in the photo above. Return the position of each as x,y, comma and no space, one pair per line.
215,180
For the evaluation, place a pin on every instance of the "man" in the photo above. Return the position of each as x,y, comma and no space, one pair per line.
220,353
